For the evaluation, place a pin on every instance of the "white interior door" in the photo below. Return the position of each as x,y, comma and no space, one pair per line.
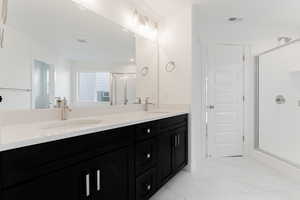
225,88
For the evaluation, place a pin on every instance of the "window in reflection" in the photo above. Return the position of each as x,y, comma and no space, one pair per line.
94,87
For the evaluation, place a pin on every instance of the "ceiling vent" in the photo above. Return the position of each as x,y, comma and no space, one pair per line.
235,19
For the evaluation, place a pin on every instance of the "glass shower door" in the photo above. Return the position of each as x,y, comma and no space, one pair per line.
124,88
42,90
279,103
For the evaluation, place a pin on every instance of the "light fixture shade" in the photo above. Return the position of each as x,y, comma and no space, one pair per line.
144,26
3,11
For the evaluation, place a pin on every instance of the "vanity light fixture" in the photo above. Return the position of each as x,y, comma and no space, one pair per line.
144,26
81,4
135,17
283,40
3,20
3,11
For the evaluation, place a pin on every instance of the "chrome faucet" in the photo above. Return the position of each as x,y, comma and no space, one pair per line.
64,108
139,100
147,103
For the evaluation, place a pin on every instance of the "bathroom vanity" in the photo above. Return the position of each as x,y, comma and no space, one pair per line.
98,66
129,162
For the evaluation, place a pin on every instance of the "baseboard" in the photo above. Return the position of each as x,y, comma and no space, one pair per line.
277,164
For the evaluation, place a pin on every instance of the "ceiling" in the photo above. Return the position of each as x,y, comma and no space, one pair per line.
58,24
263,21
267,12
165,8
261,12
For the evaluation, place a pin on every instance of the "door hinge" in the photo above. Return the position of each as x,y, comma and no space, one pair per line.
244,58
206,131
244,98
244,139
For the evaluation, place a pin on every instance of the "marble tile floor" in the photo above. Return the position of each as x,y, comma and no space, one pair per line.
230,179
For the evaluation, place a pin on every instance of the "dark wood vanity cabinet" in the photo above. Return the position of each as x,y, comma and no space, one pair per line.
121,164
172,148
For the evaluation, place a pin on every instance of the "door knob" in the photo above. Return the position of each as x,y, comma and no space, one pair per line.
148,155
211,107
279,99
149,187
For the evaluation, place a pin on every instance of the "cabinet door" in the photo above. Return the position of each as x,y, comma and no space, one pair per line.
165,146
111,176
62,184
180,150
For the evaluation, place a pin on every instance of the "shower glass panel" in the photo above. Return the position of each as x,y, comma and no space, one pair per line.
41,86
124,88
279,102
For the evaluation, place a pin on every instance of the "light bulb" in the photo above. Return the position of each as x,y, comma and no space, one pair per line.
135,17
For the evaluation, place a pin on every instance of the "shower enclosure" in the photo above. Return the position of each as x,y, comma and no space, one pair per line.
278,102
123,88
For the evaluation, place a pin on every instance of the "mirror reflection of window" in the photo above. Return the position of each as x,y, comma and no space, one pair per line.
94,87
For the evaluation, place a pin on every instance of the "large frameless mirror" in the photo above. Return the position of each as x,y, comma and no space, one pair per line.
57,49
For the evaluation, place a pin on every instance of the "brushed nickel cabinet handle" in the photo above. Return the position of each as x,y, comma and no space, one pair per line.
87,185
98,180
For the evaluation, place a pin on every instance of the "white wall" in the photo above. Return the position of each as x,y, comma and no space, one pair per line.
146,56
175,45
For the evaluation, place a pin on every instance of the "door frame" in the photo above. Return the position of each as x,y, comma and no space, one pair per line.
205,94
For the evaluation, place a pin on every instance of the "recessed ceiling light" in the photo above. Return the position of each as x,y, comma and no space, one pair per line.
235,19
82,40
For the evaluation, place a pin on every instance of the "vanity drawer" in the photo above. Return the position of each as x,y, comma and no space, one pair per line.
146,155
146,185
174,122
24,164
146,130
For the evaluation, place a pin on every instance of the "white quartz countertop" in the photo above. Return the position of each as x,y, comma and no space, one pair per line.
22,135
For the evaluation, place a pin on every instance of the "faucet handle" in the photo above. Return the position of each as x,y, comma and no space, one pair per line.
147,100
139,100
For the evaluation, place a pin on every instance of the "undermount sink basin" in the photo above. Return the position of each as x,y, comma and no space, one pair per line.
72,123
